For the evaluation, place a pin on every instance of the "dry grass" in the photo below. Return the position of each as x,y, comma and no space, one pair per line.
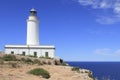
18,70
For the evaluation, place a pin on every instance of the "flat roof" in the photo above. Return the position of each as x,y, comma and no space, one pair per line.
31,46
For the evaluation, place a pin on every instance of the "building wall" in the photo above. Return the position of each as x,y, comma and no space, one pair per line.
40,52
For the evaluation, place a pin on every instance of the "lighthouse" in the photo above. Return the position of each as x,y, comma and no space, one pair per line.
32,28
32,47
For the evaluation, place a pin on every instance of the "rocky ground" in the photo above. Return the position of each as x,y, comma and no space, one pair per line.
57,72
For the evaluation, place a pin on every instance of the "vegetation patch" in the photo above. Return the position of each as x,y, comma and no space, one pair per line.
32,56
29,61
23,59
60,62
90,75
45,57
14,65
36,61
76,69
44,62
1,61
40,72
9,58
64,64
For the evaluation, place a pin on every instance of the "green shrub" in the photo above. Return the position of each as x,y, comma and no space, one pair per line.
9,57
36,61
90,75
32,56
28,60
64,64
76,69
45,57
40,72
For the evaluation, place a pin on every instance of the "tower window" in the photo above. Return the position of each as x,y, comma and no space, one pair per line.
12,52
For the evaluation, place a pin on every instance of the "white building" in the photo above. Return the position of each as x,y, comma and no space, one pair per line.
32,46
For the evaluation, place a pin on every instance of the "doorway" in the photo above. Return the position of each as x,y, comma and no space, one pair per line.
35,54
46,54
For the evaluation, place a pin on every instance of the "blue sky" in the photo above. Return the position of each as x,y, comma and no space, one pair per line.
81,30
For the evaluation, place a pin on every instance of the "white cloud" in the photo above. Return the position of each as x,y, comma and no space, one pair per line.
107,20
116,8
104,5
113,5
96,3
98,32
117,52
107,51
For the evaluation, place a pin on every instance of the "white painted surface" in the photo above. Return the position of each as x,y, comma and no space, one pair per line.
29,50
32,30
24,46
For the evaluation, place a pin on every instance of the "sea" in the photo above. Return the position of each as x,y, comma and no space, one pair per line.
101,70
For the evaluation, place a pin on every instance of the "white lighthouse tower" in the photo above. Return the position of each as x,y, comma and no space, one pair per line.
32,28
32,46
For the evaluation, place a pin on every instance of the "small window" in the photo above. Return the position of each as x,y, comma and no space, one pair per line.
12,52
35,54
23,53
46,54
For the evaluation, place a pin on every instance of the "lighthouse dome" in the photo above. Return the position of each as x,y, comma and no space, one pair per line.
32,9
33,15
